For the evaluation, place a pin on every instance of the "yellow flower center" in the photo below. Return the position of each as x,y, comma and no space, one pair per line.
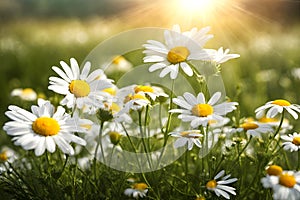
287,180
200,198
249,125
140,186
113,107
3,156
202,110
296,141
45,126
267,120
143,88
281,102
28,91
274,170
138,96
178,54
110,91
186,134
118,59
211,184
79,88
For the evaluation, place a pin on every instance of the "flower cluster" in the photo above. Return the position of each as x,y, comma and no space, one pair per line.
129,128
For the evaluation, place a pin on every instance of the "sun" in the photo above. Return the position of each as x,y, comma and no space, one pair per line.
197,5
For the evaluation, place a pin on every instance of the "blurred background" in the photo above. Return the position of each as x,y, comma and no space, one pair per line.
35,35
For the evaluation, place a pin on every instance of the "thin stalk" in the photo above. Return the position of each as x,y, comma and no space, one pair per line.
147,128
64,166
240,153
111,155
166,136
143,140
99,143
135,151
186,167
276,132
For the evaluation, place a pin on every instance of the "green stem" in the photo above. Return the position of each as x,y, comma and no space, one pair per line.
135,151
143,140
111,155
99,143
166,136
275,134
187,166
240,153
64,166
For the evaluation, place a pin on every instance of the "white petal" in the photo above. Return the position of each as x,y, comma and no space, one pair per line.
186,68
50,144
40,148
292,112
273,111
85,71
190,98
200,98
67,70
180,142
63,145
75,68
182,103
156,66
61,73
220,174
215,98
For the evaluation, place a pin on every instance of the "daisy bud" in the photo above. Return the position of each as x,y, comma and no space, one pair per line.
114,137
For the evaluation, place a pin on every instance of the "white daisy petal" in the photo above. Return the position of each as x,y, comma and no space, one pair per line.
215,98
190,98
67,70
186,68
180,142
156,66
85,71
61,73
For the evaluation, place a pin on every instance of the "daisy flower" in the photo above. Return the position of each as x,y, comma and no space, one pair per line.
134,97
119,63
292,142
177,51
137,190
199,112
220,56
188,138
43,128
286,185
272,172
80,88
26,94
220,187
254,128
277,106
275,122
7,154
200,36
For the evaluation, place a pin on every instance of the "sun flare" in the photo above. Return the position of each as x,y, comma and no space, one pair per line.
197,5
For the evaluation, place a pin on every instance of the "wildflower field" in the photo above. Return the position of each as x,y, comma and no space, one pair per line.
188,108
